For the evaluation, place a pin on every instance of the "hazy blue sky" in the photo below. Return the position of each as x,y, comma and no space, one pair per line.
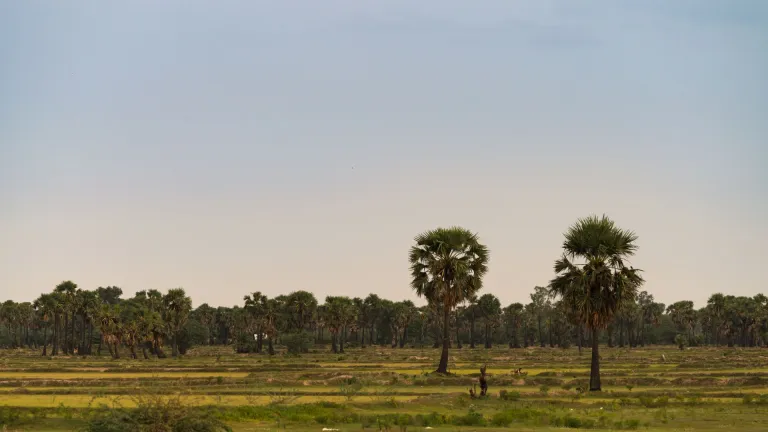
210,145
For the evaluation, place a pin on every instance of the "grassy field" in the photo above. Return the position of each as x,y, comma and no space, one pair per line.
701,389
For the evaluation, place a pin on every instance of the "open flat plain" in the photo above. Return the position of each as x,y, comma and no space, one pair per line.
651,388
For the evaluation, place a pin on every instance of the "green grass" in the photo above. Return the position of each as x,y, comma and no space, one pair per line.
704,389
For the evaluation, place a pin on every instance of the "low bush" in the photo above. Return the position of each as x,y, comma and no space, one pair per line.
298,343
508,395
156,413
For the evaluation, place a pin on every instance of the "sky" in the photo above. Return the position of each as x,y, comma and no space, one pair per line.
236,146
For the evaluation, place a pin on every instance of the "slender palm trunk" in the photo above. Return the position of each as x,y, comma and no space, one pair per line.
270,346
515,340
72,335
55,347
621,333
458,339
541,333
65,344
175,346
549,325
472,331
443,366
90,338
594,374
45,340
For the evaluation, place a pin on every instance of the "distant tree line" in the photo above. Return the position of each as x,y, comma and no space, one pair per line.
100,321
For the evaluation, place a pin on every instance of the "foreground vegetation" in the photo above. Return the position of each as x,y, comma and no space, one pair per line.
652,388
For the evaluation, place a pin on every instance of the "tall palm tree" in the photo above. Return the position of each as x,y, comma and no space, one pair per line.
68,289
254,309
541,305
176,308
206,314
513,315
447,267
341,314
596,288
683,315
490,308
371,311
46,308
301,305
471,311
271,310
717,304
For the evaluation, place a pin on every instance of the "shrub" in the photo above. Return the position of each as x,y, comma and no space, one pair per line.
681,341
9,416
755,399
508,395
472,418
650,402
298,343
156,413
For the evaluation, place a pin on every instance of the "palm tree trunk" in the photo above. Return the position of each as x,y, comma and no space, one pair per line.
621,333
594,373
443,366
515,340
458,339
270,346
541,333
45,340
610,337
55,347
72,335
66,329
405,337
549,330
90,337
174,346
362,337
580,337
472,331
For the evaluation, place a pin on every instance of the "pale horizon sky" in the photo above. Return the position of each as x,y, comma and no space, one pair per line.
211,145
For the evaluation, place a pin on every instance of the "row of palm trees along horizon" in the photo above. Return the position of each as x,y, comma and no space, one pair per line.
592,297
